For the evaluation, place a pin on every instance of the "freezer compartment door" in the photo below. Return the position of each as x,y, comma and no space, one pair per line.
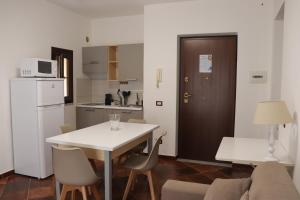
50,119
50,92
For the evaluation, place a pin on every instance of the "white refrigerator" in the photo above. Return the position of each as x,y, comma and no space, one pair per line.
37,106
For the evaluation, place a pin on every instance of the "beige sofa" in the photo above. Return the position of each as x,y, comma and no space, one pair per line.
269,181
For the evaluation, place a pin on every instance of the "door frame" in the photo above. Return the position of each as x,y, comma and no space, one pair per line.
179,80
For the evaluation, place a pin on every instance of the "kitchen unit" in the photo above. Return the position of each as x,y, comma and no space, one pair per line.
94,61
114,63
37,106
111,69
131,61
92,114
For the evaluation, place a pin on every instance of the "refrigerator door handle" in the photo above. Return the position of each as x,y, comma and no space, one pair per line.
50,106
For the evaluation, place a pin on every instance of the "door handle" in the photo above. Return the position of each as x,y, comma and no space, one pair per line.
187,95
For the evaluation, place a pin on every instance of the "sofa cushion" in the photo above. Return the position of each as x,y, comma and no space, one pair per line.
271,181
227,189
179,190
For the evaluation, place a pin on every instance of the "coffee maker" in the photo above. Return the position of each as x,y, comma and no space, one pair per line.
108,99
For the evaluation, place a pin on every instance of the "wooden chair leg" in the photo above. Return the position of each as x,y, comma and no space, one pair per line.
96,193
63,193
73,195
133,184
150,180
128,186
89,190
83,192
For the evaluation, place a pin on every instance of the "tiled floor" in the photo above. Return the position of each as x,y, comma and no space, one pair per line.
16,187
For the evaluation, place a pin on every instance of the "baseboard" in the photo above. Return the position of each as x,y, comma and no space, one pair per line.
205,162
168,157
6,174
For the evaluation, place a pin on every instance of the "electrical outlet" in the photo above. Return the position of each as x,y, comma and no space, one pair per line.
159,103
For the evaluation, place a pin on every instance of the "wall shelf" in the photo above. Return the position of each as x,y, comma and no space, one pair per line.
112,63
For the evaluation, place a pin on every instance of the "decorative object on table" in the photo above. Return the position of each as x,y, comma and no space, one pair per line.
272,113
114,120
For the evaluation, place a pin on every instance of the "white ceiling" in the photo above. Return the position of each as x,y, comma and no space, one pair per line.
108,8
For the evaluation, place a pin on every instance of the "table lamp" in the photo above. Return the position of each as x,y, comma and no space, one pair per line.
272,113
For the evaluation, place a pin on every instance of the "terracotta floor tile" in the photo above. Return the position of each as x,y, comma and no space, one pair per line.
16,187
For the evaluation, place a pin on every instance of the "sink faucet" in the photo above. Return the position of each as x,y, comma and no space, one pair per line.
120,97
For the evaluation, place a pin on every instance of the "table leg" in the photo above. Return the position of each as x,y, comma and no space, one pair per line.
57,189
108,175
149,142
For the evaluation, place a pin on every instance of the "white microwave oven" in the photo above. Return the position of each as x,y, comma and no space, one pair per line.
37,67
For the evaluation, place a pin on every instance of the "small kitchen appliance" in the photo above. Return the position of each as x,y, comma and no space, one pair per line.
38,67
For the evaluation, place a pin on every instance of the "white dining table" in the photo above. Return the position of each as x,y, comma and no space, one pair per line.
99,142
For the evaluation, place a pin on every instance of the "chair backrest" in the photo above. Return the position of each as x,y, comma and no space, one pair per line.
153,156
139,121
66,128
72,167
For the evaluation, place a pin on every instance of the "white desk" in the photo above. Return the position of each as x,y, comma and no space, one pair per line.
100,143
249,151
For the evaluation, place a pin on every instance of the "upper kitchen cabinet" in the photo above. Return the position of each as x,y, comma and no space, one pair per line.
94,61
131,62
120,63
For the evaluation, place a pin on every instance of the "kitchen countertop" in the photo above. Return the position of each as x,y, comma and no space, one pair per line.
102,106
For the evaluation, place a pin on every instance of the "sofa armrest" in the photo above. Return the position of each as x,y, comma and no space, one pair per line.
178,190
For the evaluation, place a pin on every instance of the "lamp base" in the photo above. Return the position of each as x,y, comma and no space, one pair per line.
271,141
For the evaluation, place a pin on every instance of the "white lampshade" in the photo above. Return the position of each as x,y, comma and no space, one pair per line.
272,112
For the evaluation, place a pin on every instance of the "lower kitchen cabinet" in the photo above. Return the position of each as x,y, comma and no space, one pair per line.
127,114
91,116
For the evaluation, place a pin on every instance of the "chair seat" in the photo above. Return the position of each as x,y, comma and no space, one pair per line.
136,162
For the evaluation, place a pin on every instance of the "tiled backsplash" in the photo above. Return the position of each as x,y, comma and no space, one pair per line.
84,90
95,90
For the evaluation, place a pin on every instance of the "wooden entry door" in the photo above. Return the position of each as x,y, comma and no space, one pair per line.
207,95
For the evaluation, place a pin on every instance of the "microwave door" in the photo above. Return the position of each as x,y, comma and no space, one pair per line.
44,67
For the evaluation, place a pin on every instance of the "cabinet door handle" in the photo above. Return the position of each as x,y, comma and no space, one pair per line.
90,110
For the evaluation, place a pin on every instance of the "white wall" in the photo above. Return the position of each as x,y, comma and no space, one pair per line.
277,59
277,7
29,29
291,82
117,30
164,22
